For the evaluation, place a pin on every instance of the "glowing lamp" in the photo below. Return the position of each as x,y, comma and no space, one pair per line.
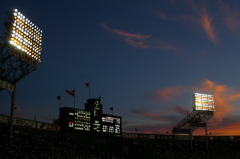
204,102
25,36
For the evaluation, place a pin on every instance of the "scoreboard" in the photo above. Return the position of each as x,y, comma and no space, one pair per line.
74,119
90,120
111,124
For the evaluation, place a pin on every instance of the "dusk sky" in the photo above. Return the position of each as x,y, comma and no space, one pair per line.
145,58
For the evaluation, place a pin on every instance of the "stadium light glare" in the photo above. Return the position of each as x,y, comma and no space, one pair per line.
25,36
204,102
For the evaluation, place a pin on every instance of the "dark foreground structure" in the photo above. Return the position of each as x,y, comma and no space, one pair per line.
91,134
31,143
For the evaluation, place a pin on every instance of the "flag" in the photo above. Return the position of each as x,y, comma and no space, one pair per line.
72,93
111,108
87,84
59,97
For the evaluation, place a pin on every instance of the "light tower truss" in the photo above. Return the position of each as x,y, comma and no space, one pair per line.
20,51
203,108
13,69
192,121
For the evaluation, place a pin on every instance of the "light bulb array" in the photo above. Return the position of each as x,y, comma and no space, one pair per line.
25,36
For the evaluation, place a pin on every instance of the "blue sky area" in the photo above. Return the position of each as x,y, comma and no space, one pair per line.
145,58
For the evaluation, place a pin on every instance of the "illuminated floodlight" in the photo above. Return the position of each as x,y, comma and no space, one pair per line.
24,36
204,102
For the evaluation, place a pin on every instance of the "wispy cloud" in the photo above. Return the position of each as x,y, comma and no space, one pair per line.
155,122
231,16
207,24
135,40
205,20
139,40
202,17
152,116
165,16
166,93
181,109
177,18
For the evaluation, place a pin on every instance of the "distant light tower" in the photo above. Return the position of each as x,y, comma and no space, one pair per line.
20,51
203,108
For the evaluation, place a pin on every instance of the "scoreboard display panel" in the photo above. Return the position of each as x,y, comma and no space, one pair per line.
75,119
91,120
203,102
111,124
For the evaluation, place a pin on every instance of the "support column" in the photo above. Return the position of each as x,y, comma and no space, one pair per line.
191,136
206,134
13,101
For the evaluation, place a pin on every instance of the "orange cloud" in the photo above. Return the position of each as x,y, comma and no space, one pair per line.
226,130
224,97
167,93
124,34
223,129
206,22
203,18
135,40
140,41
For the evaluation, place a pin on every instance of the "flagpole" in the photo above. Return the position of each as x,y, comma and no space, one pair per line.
87,84
74,97
111,108
89,92
74,102
60,101
13,103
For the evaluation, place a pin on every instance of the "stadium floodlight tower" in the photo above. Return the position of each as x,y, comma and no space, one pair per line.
203,108
20,50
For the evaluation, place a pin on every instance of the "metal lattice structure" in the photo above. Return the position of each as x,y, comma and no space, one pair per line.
12,68
202,111
20,49
192,121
